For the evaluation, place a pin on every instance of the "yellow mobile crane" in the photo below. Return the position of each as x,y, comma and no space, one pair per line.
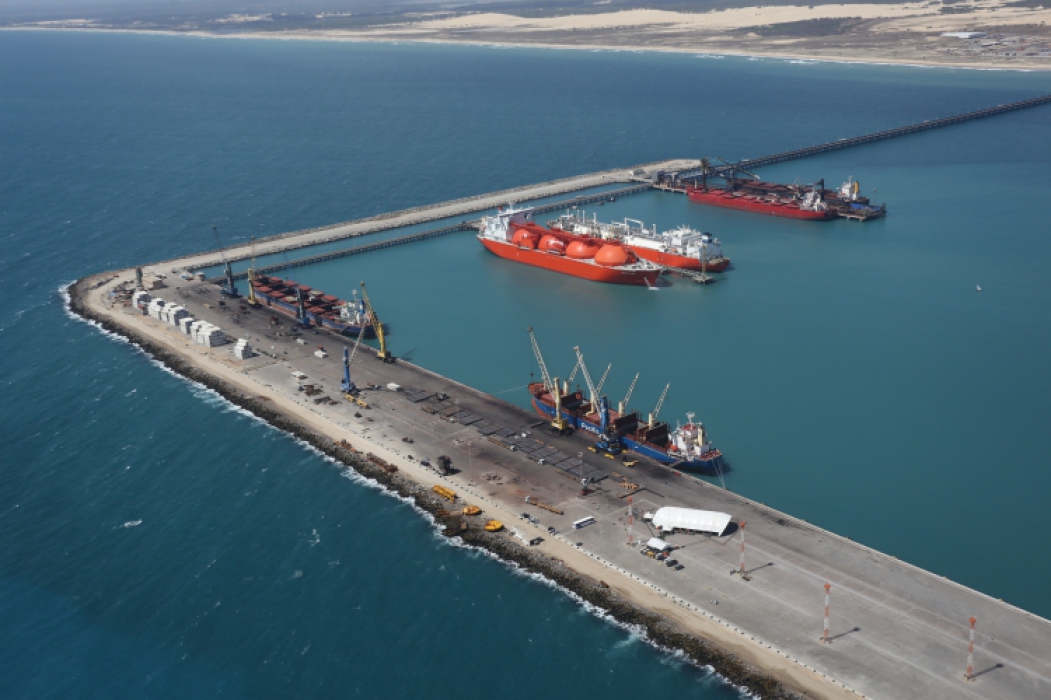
252,301
559,424
377,327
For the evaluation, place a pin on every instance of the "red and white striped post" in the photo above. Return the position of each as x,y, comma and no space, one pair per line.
824,637
742,571
970,655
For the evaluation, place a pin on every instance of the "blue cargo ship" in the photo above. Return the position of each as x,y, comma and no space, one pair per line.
686,448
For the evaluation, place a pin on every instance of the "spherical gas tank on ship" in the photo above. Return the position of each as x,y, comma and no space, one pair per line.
583,250
553,244
524,238
614,256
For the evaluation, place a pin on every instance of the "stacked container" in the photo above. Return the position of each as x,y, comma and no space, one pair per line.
242,351
140,300
155,307
208,334
176,314
184,324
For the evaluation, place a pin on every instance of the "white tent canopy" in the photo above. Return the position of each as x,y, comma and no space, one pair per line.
658,544
668,519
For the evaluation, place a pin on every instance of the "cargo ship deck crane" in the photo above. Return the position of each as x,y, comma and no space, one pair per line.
301,310
572,376
608,442
252,301
623,405
602,382
230,289
657,411
559,423
377,327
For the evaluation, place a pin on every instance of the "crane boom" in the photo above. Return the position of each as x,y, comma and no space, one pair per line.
357,342
602,381
348,385
660,402
573,374
587,378
251,278
377,327
540,361
627,397
230,289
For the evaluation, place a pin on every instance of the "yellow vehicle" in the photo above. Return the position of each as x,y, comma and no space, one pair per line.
445,493
629,462
471,510
494,526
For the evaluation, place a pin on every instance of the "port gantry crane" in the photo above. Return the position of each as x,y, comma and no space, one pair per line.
559,424
622,407
608,442
377,327
657,411
230,289
252,301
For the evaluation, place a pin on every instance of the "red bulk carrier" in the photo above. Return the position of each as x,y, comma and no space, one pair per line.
511,235
810,206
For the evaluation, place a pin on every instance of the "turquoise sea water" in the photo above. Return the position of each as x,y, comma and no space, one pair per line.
850,372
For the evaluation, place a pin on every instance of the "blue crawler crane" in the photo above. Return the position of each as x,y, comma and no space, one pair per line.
350,390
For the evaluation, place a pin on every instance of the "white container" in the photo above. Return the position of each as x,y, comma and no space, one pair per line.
394,387
184,324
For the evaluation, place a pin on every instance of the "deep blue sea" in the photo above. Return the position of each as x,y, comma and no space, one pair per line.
850,372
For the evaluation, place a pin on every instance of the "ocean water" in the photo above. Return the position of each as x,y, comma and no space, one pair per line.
160,544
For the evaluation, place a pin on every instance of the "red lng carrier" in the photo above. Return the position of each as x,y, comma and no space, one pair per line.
810,206
512,235
682,247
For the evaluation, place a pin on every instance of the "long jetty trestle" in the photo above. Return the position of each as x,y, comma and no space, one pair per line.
868,138
641,180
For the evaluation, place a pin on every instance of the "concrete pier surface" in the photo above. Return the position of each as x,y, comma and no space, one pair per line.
896,631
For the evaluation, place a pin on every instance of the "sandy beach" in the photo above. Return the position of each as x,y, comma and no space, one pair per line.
911,33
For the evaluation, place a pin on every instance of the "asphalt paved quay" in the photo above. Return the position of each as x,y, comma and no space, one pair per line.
897,631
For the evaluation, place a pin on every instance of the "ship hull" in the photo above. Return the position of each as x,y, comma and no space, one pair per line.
680,261
710,465
719,198
569,266
287,309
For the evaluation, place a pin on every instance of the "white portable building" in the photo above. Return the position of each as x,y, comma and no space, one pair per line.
669,519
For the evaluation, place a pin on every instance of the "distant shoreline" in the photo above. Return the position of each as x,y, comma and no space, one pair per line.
365,38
